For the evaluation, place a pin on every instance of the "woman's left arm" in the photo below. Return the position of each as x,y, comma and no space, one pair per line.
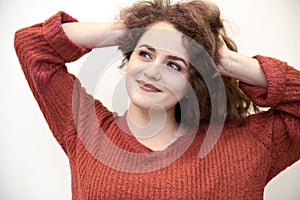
269,82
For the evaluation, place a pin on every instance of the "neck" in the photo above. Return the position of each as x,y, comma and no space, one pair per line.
153,127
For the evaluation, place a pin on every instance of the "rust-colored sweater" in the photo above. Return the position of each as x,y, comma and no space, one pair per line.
107,162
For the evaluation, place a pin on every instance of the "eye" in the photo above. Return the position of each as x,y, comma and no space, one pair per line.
175,66
145,54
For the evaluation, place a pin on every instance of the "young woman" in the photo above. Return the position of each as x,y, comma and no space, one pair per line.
174,55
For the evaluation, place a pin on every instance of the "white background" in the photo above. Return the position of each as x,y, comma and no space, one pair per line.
32,164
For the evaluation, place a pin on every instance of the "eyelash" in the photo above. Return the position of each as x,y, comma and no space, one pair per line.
178,67
145,54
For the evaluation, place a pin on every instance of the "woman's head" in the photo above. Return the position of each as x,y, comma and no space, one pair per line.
158,68
201,25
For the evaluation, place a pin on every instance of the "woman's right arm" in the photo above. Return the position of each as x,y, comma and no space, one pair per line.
43,50
94,35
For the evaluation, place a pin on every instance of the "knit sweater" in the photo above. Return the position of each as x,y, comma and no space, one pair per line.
107,162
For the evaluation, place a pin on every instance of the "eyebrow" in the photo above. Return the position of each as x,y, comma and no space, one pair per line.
152,49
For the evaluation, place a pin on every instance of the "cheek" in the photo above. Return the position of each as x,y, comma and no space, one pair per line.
133,71
130,65
134,66
132,74
178,86
129,80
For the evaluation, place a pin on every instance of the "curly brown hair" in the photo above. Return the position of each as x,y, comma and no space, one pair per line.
200,21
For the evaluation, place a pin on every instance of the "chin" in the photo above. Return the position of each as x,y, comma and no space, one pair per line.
151,105
145,105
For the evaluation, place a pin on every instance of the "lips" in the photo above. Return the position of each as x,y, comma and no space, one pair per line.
148,87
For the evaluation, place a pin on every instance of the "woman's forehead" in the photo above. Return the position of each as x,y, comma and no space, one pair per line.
164,36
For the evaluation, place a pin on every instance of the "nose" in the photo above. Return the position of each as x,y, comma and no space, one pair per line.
153,72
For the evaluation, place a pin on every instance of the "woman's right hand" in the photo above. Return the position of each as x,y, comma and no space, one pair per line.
94,34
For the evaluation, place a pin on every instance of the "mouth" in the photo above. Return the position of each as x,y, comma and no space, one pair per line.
147,86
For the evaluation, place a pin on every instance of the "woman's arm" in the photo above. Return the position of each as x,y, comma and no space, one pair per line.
283,97
92,34
269,82
43,50
241,67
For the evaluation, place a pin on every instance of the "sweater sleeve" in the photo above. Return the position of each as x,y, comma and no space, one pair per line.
43,49
282,95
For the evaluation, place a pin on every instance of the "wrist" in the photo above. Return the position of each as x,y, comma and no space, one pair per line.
113,31
246,69
227,61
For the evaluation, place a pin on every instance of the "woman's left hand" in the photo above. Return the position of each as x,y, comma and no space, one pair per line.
225,64
241,67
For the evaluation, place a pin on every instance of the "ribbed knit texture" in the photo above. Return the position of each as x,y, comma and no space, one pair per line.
239,166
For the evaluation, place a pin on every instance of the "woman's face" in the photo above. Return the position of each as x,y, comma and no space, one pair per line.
157,71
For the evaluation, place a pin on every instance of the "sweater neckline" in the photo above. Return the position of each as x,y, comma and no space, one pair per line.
121,151
182,142
129,155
